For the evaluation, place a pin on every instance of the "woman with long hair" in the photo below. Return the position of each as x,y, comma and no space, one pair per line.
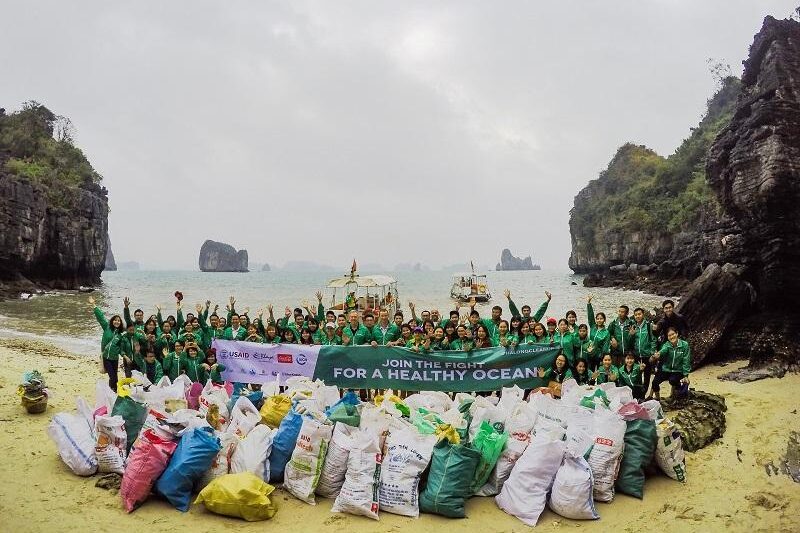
110,343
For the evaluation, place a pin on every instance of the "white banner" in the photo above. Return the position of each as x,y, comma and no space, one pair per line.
252,362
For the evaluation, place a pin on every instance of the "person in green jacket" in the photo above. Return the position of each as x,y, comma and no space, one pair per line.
191,335
566,341
606,373
439,342
110,343
138,315
212,370
675,358
552,330
235,332
190,362
166,340
483,339
171,363
505,338
540,333
464,341
581,374
599,335
355,333
526,309
132,340
559,372
252,334
630,374
212,331
405,335
645,342
583,343
526,336
287,336
272,336
384,331
149,366
419,341
621,333
330,338
493,324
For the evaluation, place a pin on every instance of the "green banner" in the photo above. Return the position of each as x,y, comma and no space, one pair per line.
388,367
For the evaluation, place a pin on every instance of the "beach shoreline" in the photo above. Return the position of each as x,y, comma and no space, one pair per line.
731,484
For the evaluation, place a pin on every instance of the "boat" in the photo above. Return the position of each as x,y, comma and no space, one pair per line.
362,293
469,285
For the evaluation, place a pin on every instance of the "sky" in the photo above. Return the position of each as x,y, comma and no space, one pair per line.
390,132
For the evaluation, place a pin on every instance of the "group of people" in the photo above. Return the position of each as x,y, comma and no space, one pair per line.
627,351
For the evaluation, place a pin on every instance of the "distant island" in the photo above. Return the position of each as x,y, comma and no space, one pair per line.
221,257
509,262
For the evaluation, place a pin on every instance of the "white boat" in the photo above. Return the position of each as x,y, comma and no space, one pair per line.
362,293
469,285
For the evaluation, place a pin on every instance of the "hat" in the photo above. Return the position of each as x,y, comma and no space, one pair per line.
551,320
418,330
330,325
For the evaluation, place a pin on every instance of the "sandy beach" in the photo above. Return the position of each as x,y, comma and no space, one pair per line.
39,493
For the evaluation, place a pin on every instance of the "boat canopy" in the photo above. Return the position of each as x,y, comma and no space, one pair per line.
376,280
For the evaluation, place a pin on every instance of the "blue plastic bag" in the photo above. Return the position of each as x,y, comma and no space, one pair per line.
283,444
240,389
193,456
349,398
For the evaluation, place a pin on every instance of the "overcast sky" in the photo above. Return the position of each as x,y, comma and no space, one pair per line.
386,131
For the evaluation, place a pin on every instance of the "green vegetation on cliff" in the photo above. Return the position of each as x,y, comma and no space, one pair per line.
643,191
37,145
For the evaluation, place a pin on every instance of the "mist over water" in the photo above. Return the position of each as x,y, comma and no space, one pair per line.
66,318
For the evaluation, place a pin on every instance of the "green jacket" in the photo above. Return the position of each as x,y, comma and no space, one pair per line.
110,343
165,340
510,341
126,314
530,338
357,338
258,338
241,333
464,345
676,358
568,343
600,336
439,346
604,377
171,365
209,333
274,340
550,375
582,349
191,366
582,379
197,335
644,341
325,341
619,330
127,342
215,375
632,378
391,334
537,316
420,345
154,372
492,326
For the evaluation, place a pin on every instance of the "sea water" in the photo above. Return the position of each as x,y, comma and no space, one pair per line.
66,318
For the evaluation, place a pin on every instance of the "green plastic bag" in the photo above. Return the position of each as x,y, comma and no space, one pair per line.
640,445
346,414
134,414
425,422
451,472
588,401
490,443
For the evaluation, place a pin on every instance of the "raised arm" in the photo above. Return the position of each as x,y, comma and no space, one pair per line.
590,312
126,312
512,308
98,314
537,316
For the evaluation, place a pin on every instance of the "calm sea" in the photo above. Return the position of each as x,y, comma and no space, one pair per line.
66,318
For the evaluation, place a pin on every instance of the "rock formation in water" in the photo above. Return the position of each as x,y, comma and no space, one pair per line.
266,268
754,169
110,263
509,262
221,257
53,211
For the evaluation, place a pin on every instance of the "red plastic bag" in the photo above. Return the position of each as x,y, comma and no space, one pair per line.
147,461
633,411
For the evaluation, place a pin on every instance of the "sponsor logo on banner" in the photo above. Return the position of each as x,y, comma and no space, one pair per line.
284,358
302,359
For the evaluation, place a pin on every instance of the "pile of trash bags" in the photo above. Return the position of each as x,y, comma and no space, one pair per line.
428,452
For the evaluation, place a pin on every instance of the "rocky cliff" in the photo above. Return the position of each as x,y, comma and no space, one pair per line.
653,222
738,263
509,262
221,257
111,263
754,169
53,212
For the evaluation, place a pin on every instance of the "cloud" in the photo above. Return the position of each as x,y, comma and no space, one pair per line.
386,131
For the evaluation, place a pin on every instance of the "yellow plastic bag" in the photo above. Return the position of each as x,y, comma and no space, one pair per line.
449,433
124,387
274,410
242,495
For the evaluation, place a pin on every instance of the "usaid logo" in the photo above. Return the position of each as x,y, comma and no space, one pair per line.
284,358
302,359
223,354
